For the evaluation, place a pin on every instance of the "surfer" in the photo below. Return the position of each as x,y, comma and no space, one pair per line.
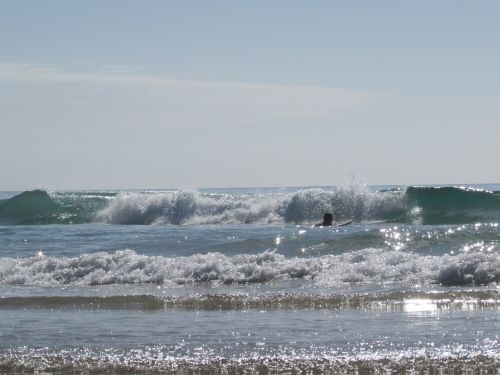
327,220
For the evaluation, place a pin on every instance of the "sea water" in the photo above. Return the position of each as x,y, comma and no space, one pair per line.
242,281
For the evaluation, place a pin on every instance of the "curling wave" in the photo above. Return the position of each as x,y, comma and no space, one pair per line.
42,207
452,205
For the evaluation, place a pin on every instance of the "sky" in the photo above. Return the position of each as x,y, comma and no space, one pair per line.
119,94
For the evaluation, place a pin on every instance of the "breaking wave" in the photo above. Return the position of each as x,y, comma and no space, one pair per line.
423,205
363,266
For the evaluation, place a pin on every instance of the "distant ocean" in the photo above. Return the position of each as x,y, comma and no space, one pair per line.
240,281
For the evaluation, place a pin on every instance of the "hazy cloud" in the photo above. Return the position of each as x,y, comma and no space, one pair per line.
122,93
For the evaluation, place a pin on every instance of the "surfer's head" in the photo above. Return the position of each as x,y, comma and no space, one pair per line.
327,219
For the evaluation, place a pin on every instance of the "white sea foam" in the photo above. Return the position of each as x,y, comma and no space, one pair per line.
188,207
363,266
352,201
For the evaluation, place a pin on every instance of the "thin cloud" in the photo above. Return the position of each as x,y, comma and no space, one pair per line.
125,96
125,74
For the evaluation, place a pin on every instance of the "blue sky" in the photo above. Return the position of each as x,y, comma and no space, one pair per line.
153,94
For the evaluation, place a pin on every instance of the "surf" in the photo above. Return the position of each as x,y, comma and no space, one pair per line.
418,205
366,266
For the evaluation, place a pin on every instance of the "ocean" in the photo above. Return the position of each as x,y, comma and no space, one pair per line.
241,281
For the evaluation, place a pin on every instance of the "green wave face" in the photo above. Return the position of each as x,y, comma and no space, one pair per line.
29,207
451,205
41,207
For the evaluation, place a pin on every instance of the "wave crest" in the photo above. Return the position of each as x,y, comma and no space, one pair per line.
306,206
187,207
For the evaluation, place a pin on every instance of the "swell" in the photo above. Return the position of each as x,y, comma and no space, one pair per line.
395,301
367,266
420,205
452,205
42,207
29,207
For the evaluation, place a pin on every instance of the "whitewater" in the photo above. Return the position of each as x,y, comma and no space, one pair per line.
242,281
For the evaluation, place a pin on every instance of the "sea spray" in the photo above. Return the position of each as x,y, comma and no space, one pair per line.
188,207
303,206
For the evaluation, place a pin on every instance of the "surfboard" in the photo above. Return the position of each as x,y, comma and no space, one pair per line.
344,223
